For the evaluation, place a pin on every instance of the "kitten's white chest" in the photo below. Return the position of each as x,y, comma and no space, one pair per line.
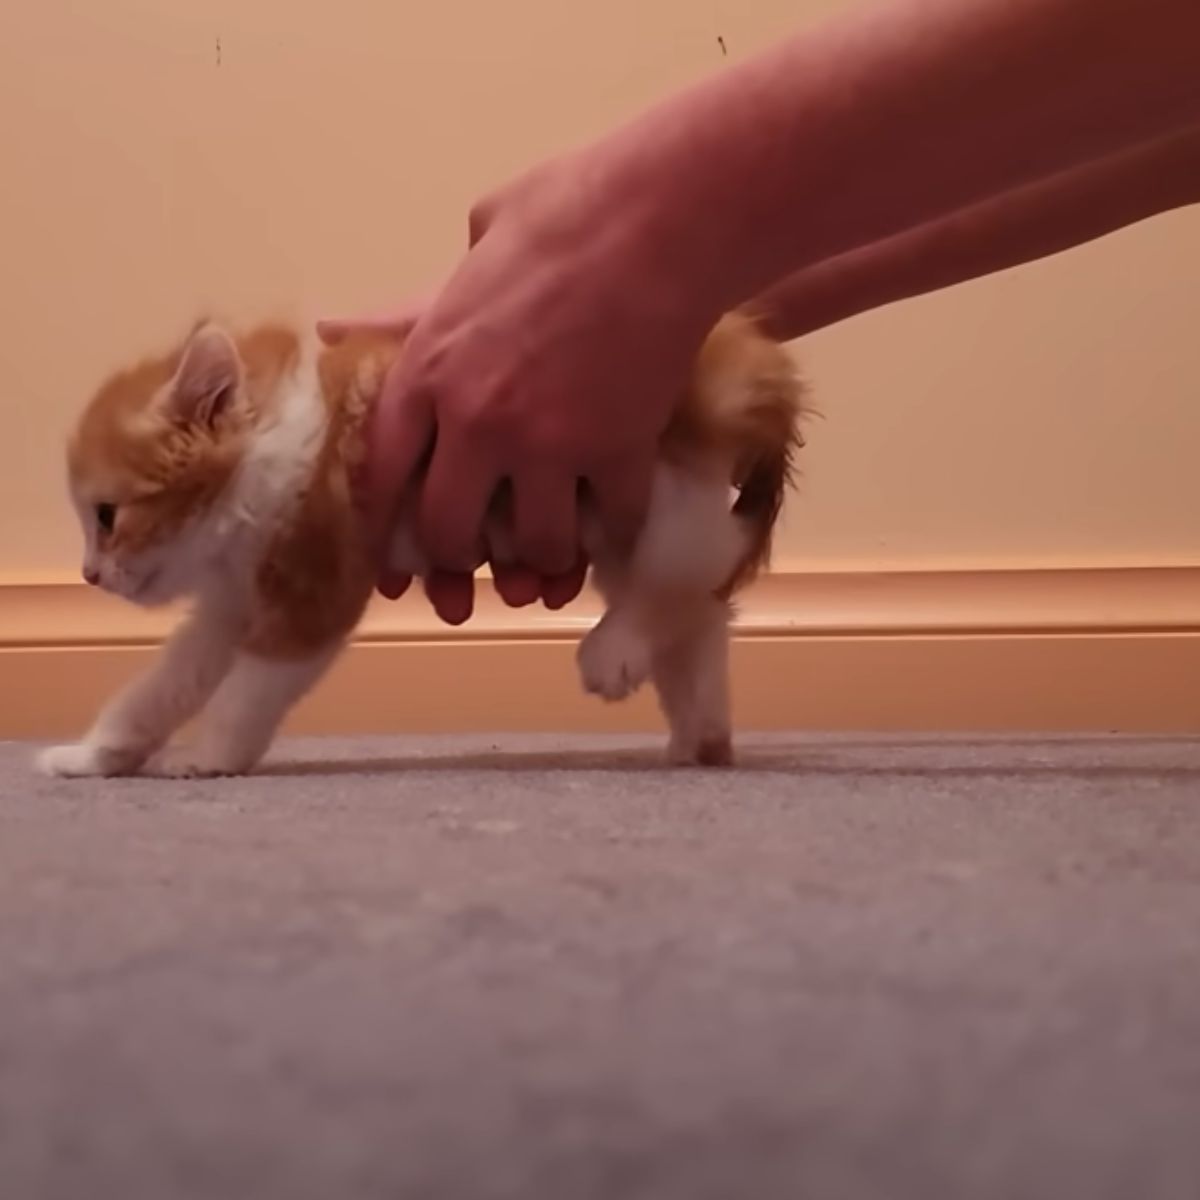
282,454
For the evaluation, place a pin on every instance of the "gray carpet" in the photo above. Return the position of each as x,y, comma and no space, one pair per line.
547,970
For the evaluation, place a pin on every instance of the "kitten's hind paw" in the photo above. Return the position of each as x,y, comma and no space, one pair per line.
613,661
715,750
189,762
85,760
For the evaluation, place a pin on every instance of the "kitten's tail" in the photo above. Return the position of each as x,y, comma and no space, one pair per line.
747,402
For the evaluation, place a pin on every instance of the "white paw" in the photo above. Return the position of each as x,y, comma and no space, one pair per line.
82,760
192,762
614,661
711,750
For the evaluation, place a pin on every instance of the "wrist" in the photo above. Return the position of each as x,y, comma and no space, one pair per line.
657,184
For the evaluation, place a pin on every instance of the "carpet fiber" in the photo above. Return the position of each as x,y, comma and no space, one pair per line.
549,970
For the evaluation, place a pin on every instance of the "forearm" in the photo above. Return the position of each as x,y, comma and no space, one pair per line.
888,119
1029,223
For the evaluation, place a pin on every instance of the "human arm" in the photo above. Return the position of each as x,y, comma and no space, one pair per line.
1020,226
559,346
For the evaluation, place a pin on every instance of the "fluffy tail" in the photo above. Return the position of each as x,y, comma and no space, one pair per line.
744,409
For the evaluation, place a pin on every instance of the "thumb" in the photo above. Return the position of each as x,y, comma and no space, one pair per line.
399,323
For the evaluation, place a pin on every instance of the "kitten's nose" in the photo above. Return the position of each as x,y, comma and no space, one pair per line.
91,575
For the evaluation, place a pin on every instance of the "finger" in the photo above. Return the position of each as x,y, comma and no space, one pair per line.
398,435
392,586
621,496
334,332
452,595
331,332
559,590
399,323
545,529
454,502
516,586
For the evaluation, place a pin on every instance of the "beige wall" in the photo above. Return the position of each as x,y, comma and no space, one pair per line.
325,156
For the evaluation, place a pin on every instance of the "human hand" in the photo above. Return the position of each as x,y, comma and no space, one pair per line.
452,593
551,360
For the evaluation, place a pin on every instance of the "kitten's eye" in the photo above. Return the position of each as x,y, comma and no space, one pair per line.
106,516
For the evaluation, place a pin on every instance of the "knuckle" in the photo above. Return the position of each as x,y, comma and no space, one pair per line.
481,427
479,218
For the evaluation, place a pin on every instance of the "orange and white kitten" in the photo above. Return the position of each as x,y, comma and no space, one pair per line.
221,471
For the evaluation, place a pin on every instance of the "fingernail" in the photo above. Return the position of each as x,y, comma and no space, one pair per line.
392,587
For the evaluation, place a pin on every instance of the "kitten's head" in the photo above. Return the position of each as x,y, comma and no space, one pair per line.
148,463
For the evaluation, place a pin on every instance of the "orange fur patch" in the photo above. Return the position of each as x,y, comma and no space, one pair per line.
316,575
743,409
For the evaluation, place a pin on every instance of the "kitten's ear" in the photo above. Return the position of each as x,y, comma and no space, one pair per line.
209,377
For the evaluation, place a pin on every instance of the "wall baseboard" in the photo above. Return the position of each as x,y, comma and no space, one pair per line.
994,650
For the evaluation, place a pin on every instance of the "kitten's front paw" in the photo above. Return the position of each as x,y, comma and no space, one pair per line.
191,762
614,661
83,760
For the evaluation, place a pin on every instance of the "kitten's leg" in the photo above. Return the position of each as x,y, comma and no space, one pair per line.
140,720
240,721
688,548
691,674
614,656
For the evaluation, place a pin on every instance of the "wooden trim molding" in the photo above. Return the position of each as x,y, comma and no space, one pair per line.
1109,648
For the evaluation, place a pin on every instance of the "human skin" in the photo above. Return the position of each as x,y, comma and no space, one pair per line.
1020,226
559,345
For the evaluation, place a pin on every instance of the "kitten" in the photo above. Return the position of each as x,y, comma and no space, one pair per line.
221,473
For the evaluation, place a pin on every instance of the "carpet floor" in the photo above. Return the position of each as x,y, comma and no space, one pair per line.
546,969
